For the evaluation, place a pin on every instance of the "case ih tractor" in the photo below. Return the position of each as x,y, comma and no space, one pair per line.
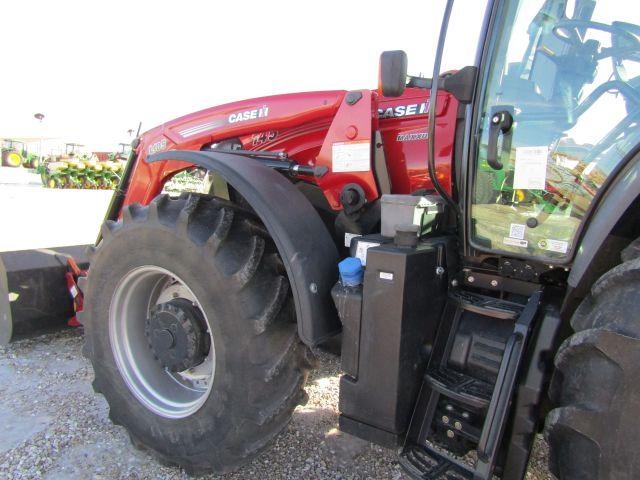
486,227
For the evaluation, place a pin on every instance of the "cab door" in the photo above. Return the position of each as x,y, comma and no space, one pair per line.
558,115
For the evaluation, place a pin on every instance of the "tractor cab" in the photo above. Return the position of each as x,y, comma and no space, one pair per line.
544,150
13,145
124,150
72,149
550,114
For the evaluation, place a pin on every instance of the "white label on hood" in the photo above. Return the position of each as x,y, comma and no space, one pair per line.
351,156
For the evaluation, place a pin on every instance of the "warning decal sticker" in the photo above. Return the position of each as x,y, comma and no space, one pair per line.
351,156
531,168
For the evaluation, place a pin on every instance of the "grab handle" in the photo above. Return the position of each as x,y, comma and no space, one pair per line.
501,122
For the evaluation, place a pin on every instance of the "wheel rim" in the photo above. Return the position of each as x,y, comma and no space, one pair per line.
170,395
14,159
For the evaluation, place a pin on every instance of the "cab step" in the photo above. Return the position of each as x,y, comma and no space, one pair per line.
455,409
460,387
426,463
488,306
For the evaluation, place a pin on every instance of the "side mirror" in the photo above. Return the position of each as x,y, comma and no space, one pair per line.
392,77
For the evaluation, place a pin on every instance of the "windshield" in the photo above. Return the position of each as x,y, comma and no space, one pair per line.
569,73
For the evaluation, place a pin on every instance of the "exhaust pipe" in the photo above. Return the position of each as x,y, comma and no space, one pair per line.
33,291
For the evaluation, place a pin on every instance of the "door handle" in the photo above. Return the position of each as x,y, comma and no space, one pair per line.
501,122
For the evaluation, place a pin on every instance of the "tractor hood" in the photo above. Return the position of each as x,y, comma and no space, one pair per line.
239,118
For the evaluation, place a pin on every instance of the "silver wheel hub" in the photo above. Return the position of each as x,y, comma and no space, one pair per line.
162,342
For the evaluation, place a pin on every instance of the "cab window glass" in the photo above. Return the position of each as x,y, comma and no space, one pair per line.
568,77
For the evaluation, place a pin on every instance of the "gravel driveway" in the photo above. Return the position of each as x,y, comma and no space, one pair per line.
53,426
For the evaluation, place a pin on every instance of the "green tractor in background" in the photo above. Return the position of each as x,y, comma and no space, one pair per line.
13,153
16,154
31,161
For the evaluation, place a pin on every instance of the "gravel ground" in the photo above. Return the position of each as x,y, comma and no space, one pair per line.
54,427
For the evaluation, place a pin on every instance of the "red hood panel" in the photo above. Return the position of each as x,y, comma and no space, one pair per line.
237,118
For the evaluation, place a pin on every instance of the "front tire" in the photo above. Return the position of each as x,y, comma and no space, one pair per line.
484,188
595,429
225,257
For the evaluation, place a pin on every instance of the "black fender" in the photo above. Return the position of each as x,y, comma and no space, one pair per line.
622,192
306,247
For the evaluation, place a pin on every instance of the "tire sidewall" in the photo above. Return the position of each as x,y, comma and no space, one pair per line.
162,247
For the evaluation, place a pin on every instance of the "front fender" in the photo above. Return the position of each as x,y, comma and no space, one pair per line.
595,254
307,249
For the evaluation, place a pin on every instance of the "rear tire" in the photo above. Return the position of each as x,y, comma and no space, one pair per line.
484,191
595,429
12,159
227,259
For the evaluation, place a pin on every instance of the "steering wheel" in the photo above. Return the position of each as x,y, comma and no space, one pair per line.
625,44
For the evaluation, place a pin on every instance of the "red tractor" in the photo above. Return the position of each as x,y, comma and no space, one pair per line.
488,221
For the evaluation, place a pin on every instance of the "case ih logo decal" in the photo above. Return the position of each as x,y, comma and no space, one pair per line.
404,110
219,122
158,146
249,115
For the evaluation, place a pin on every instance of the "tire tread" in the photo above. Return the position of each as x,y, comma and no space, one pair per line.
278,378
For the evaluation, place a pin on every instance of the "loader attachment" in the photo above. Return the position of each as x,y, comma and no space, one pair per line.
34,296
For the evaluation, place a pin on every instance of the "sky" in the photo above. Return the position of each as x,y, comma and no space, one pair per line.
97,69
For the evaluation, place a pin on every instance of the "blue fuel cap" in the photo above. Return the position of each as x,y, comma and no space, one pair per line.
351,271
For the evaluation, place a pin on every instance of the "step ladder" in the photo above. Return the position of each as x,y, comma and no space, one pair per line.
463,407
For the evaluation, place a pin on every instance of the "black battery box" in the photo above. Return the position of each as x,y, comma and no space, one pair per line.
387,338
